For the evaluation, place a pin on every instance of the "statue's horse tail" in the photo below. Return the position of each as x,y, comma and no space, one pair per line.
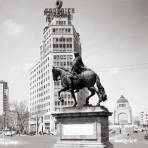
101,90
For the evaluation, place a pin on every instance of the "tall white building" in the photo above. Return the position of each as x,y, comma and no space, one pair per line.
60,40
4,97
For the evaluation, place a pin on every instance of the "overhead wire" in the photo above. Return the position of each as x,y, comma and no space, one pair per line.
139,66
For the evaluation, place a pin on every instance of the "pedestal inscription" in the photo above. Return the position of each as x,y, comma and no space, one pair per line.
78,131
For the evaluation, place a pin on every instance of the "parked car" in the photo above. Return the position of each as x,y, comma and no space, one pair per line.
9,132
146,136
48,133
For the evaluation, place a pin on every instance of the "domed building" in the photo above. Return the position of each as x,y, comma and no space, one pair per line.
123,112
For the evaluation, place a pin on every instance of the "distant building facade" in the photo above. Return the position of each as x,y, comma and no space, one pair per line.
60,41
144,118
122,112
4,97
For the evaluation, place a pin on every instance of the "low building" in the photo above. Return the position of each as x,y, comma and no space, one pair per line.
144,118
4,97
123,112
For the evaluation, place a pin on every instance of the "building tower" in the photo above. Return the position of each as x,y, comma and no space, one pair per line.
60,41
122,113
4,97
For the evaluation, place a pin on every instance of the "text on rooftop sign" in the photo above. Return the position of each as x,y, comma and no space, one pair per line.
63,12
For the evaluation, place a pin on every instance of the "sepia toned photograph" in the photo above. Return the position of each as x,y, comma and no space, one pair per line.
74,74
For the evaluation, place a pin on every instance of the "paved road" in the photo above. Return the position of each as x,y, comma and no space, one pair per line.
134,140
36,141
46,141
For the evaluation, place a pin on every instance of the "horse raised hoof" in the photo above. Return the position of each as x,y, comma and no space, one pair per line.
98,104
103,97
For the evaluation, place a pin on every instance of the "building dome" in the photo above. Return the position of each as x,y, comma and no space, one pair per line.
122,100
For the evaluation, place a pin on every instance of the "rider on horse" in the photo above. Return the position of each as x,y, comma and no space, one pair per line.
77,67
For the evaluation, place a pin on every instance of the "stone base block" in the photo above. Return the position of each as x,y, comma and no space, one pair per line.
83,128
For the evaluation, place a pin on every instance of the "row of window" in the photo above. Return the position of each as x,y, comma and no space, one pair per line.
61,30
35,95
61,64
61,22
62,39
34,112
63,95
63,57
62,45
39,94
56,50
57,103
34,102
38,109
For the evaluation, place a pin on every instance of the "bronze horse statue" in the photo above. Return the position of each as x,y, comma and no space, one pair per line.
86,79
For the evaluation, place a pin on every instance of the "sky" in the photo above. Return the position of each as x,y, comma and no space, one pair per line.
114,38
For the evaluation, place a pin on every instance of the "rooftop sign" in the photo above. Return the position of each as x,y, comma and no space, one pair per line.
58,12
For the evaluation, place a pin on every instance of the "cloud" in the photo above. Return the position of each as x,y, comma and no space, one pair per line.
114,71
12,28
24,68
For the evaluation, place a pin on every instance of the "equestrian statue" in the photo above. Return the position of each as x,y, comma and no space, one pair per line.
79,77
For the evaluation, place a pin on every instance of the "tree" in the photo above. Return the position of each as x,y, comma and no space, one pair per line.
21,110
38,112
1,122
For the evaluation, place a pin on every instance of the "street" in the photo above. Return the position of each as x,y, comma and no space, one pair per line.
37,141
134,140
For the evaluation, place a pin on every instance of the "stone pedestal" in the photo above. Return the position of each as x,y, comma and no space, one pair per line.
83,128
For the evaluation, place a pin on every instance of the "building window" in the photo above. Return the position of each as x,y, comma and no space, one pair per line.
122,105
69,30
53,30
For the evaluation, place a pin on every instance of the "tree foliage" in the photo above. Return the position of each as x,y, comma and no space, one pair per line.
22,114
